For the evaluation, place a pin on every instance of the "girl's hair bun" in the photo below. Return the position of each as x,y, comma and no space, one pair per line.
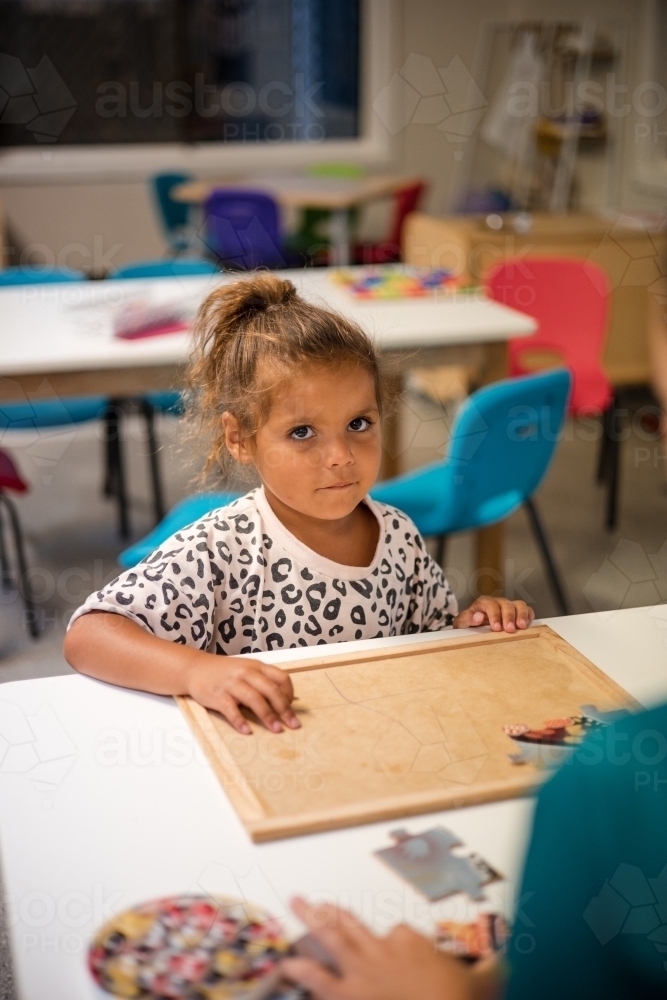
257,295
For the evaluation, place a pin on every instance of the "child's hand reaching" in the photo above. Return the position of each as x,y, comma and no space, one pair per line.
498,612
225,683
404,965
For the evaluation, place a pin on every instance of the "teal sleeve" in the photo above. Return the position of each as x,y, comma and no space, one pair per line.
591,919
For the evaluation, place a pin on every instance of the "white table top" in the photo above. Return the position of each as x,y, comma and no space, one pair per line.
125,808
69,327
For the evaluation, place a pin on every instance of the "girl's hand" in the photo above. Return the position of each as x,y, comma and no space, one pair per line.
498,612
404,965
224,683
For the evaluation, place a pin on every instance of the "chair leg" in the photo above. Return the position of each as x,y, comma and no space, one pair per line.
441,550
148,411
112,420
545,551
25,587
5,575
605,440
613,465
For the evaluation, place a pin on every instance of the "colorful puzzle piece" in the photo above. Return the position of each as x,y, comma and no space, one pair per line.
558,738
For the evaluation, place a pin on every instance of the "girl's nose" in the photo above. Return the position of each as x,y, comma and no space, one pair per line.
338,452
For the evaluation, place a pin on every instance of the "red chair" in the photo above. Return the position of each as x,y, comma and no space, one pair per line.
11,480
570,300
406,200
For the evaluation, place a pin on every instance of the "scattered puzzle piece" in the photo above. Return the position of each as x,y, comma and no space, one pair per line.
559,738
481,938
426,861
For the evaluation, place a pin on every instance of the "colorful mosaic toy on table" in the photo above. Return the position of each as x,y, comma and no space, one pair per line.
402,283
194,947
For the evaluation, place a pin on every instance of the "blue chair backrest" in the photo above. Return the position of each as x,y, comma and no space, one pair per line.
174,213
183,268
39,275
502,442
242,228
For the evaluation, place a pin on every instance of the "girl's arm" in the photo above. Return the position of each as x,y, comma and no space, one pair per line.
112,648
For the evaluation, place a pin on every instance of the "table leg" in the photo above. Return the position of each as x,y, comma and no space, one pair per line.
339,232
391,427
489,545
489,542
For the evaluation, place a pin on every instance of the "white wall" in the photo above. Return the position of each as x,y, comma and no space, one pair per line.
100,225
442,30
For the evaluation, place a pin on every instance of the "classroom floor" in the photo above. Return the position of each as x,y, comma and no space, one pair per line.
73,541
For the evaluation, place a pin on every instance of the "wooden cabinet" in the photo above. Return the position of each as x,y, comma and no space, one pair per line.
630,256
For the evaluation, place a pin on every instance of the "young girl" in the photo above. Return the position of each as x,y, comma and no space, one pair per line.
307,558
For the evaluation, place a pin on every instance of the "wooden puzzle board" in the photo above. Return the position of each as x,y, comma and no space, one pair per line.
401,731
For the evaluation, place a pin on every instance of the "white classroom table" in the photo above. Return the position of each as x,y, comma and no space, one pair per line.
124,808
53,331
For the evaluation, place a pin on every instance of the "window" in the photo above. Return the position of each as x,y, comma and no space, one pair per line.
81,72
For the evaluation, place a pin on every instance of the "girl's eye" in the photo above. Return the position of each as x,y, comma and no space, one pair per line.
359,424
302,433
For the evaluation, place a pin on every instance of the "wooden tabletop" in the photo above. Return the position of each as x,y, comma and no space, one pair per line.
294,191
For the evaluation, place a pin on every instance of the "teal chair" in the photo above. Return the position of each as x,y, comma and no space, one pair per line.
502,443
184,267
170,401
184,513
14,276
174,215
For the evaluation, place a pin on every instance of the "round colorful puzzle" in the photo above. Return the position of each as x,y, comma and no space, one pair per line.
194,947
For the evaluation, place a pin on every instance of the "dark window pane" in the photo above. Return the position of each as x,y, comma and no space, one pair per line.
97,71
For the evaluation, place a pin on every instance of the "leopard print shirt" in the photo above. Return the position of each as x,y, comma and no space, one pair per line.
237,581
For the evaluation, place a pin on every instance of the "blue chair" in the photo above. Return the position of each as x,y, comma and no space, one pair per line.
184,513
242,229
14,276
502,443
170,401
185,267
174,215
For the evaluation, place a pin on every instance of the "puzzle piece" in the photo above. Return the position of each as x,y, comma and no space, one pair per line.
551,745
426,861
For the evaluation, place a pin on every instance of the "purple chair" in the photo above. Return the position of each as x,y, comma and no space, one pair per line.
242,229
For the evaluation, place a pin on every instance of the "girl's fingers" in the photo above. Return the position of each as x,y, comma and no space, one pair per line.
322,983
228,707
275,697
491,608
524,614
279,677
251,697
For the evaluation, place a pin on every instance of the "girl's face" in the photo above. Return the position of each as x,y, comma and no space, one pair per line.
320,449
